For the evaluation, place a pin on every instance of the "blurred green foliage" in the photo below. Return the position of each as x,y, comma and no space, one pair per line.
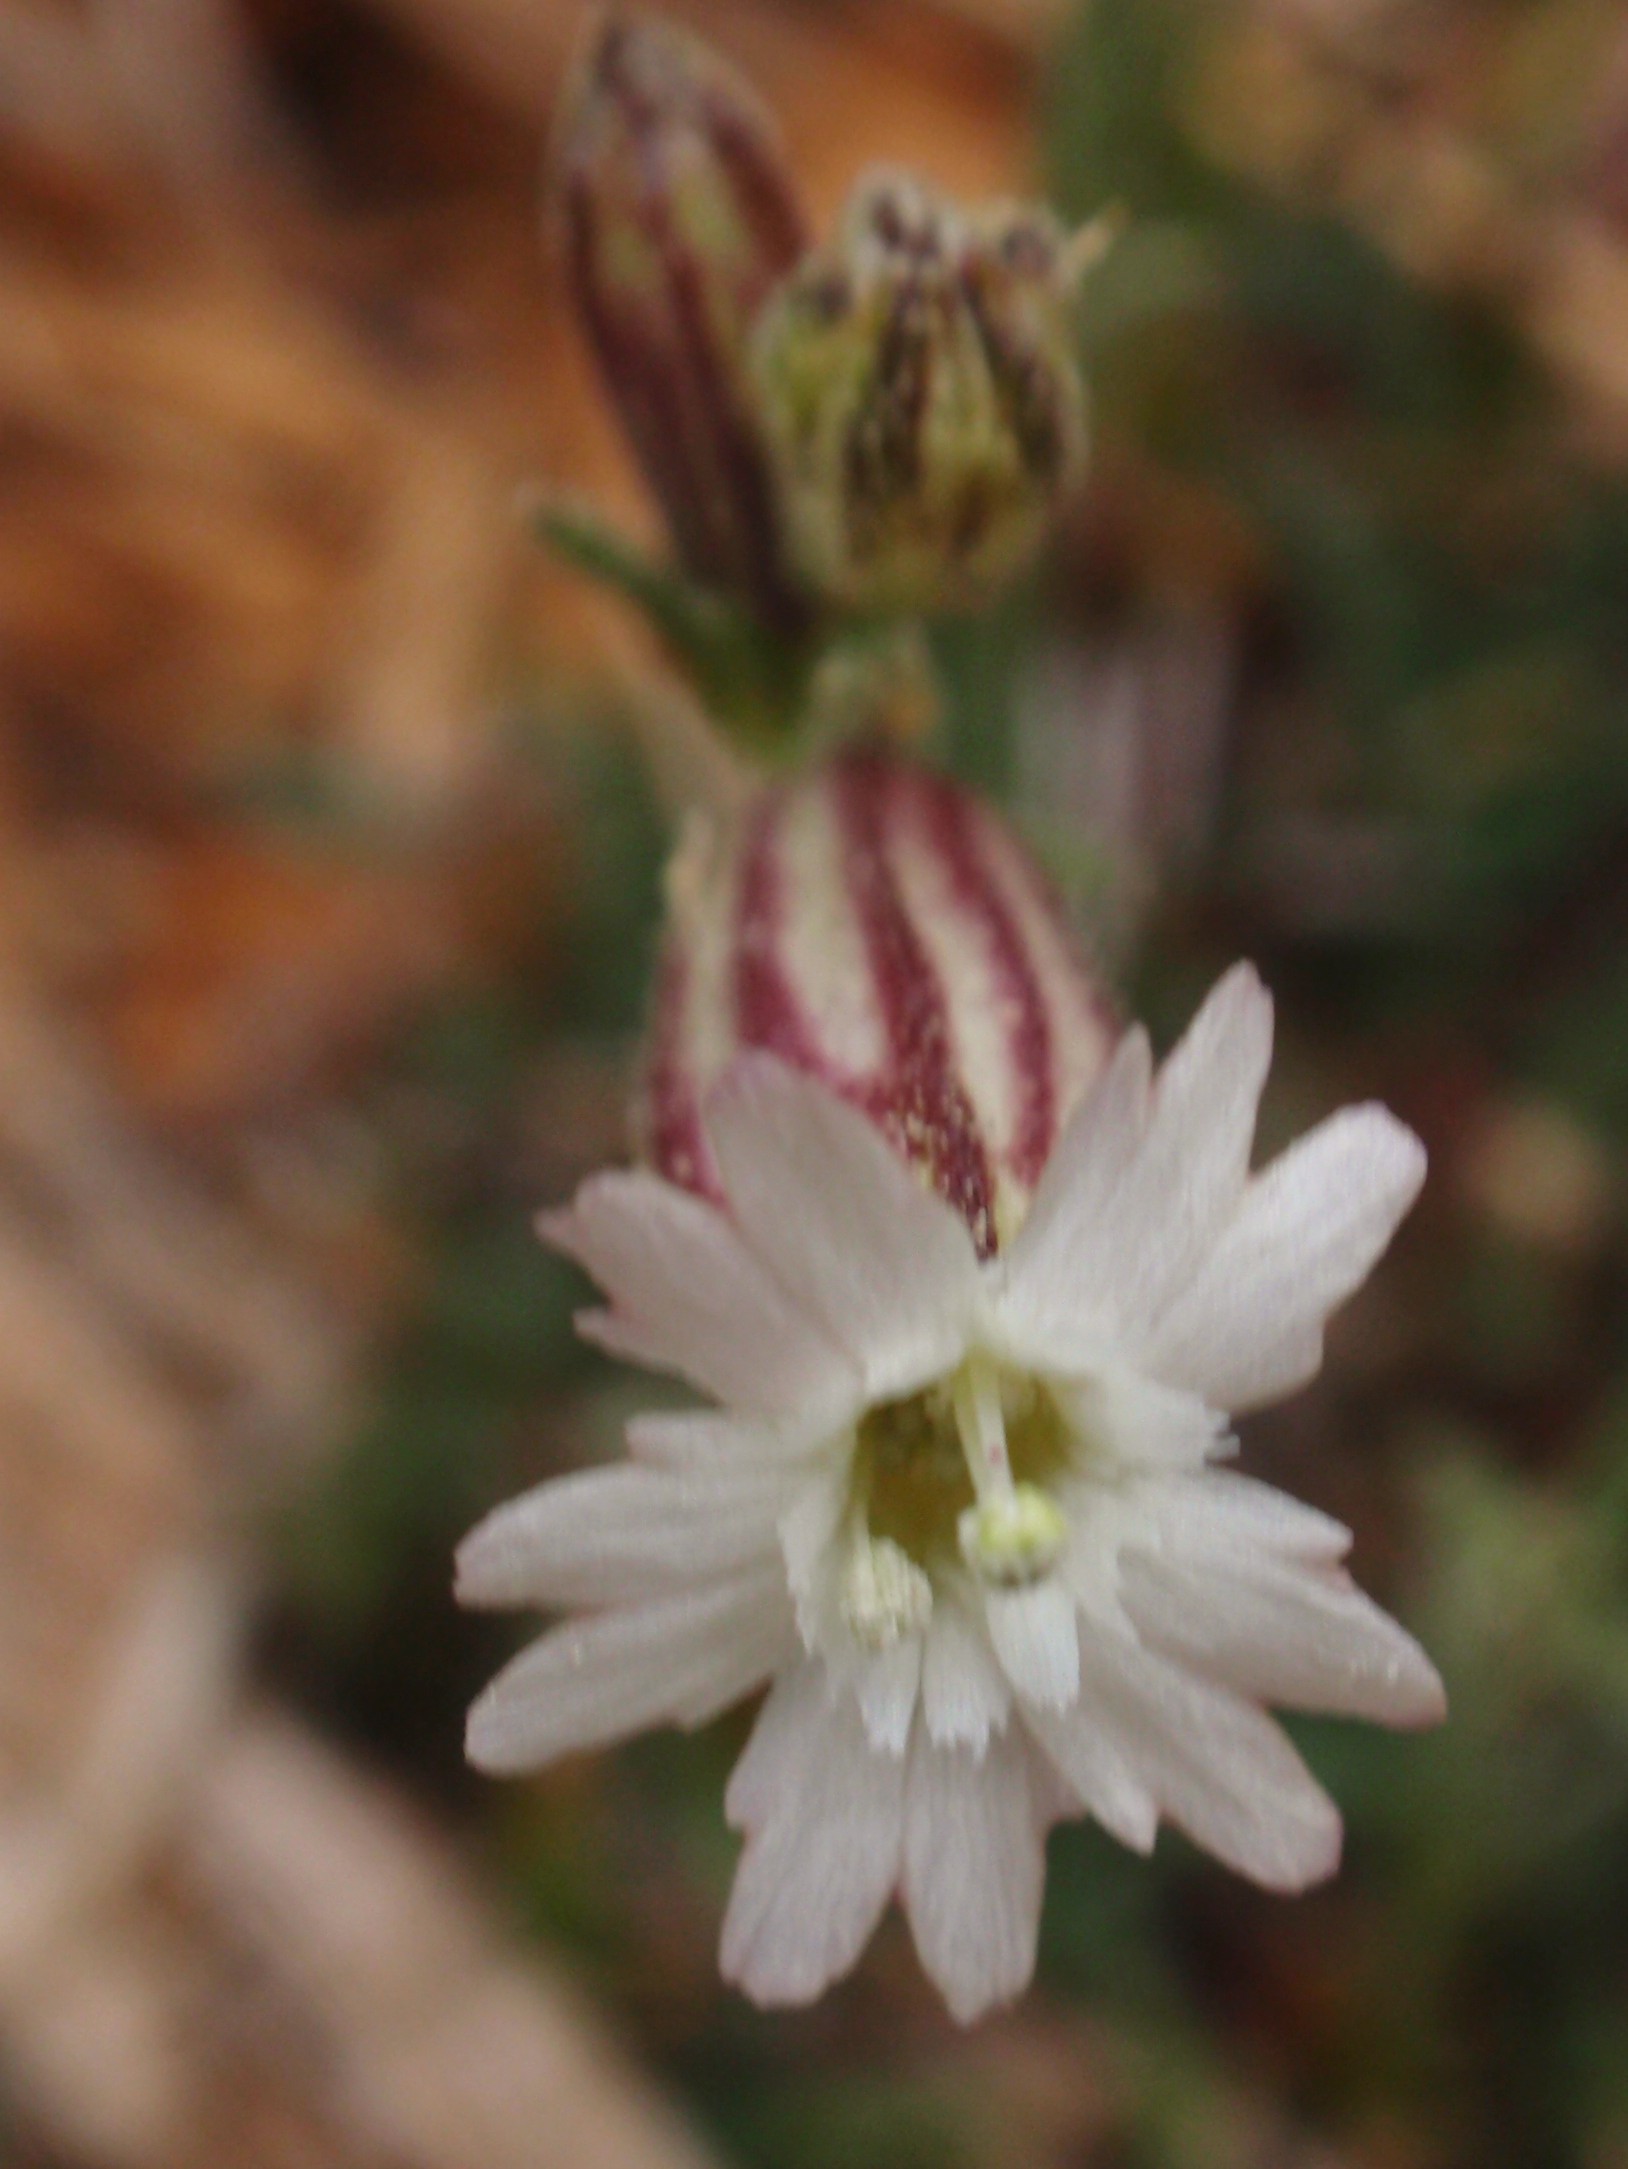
1432,650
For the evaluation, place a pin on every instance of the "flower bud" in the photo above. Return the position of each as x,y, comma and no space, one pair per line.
871,923
922,397
681,216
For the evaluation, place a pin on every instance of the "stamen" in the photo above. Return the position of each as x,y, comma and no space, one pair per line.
885,1595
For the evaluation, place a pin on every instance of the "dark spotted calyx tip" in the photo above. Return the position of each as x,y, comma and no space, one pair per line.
923,397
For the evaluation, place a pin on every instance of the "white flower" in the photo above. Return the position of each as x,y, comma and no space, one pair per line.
965,1513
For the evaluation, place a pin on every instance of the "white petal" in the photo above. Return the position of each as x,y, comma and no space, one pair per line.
964,1692
1088,1160
1098,1775
704,1439
590,1681
1218,1515
1190,1171
809,1523
1249,1327
1036,1637
1053,1282
844,1224
1195,1519
688,1296
772,1760
1054,1798
825,1812
1218,1766
886,1684
613,1535
1137,1423
974,1869
1110,1250
1305,1637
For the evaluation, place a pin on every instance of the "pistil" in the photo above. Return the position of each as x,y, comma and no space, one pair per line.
1013,1533
981,1421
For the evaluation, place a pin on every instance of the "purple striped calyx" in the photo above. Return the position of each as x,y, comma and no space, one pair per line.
872,924
681,216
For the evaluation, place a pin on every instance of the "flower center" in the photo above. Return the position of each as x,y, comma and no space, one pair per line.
963,1471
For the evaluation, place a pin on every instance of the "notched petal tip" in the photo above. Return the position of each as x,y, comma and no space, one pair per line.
601,1327
1402,1148
489,1745
480,1577
1319,1863
1241,983
971,2007
775,1971
559,1228
1419,1697
763,1984
1308,1853
1133,1057
1236,1013
1136,1826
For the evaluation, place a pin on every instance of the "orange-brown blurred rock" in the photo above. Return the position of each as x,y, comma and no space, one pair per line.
267,969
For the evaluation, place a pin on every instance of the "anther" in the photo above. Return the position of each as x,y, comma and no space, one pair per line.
885,1595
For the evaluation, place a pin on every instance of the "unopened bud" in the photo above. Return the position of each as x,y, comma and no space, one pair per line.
874,925
922,397
681,217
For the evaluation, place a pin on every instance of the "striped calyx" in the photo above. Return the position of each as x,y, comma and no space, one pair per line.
681,215
922,396
872,924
